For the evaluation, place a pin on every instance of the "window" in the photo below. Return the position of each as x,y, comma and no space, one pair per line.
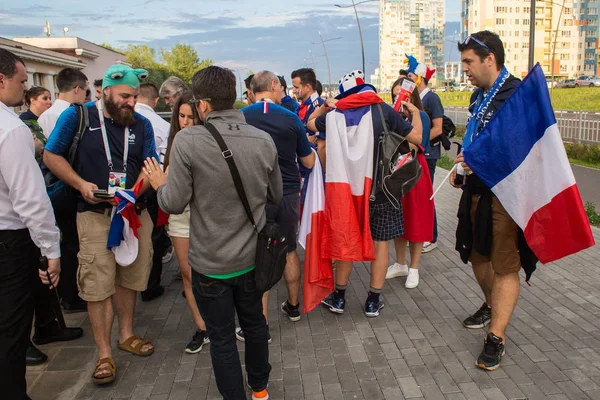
567,11
516,57
500,21
516,33
525,45
526,22
526,10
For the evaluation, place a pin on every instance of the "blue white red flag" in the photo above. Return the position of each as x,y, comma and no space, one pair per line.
318,271
123,233
520,156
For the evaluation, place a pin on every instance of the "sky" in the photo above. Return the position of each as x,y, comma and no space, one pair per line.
242,35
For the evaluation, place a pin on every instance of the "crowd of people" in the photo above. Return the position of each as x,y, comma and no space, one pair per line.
56,223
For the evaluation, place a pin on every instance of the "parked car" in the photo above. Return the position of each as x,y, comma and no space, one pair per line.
587,80
566,83
465,87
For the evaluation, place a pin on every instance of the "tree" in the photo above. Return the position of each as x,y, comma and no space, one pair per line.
183,61
109,47
140,56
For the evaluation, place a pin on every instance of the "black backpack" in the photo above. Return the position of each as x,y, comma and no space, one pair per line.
448,131
57,190
397,183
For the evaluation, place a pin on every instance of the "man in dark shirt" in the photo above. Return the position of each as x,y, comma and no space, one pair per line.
111,153
289,136
495,254
305,87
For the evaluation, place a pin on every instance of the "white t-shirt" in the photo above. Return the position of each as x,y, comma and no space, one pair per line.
160,126
49,117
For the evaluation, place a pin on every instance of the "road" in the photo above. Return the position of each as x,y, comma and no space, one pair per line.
588,180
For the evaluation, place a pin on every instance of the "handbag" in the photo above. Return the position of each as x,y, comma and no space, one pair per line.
394,183
271,246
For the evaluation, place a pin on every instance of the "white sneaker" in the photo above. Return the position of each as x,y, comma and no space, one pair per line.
168,256
396,270
428,246
413,279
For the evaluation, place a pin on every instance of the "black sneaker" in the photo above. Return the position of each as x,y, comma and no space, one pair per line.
480,319
372,308
292,313
335,305
492,353
199,339
239,334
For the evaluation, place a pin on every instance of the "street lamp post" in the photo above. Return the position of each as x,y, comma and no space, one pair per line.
322,42
362,45
531,34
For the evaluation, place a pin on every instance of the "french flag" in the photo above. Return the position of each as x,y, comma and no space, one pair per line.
350,141
123,233
318,271
521,157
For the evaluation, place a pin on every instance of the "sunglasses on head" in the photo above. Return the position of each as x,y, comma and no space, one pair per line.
479,42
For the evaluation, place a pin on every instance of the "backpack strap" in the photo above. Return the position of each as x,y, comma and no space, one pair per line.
83,123
379,162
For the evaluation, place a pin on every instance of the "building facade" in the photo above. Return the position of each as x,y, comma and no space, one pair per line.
453,71
42,65
414,27
96,59
566,36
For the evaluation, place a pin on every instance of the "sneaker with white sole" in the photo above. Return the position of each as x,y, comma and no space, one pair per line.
396,270
429,246
413,278
168,256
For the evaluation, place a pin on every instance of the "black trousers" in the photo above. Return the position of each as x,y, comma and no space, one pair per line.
160,243
66,219
19,263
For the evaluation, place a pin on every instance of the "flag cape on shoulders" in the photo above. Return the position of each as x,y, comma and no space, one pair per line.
520,156
350,152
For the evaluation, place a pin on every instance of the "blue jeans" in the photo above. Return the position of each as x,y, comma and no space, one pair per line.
218,301
431,164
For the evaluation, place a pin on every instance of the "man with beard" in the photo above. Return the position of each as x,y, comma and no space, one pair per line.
115,144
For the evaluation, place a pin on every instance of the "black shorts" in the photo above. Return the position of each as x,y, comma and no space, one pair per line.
287,215
386,222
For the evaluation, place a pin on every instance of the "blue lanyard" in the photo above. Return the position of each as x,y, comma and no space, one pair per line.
480,108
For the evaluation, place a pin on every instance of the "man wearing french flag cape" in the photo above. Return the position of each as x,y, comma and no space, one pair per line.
353,228
520,202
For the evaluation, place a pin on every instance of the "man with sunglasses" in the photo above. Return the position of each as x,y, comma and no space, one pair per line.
486,235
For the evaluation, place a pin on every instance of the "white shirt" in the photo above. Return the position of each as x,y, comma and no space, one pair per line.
424,92
160,126
23,199
49,117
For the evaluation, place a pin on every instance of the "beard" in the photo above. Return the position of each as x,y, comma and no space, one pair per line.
122,115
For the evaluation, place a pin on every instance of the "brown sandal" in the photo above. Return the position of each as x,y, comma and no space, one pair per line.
137,350
112,368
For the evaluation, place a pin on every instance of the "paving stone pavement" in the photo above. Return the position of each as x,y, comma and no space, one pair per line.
416,349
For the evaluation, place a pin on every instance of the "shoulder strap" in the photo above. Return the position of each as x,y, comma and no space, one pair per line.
83,122
383,122
237,180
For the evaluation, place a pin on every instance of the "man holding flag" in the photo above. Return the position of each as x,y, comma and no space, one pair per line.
517,189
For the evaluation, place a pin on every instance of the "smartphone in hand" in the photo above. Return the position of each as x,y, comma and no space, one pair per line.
103,194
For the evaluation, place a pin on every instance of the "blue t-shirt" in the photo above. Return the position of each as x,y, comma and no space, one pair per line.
91,163
290,104
433,106
426,131
289,136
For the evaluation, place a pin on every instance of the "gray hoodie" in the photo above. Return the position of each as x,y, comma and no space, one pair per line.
222,240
